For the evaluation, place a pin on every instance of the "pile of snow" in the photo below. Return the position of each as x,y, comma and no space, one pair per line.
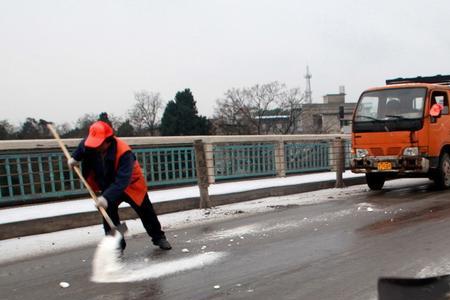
112,270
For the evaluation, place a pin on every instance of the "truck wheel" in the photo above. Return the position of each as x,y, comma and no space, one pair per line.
375,181
442,178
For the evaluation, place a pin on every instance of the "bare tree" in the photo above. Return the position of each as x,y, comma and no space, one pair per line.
145,113
63,128
290,106
257,110
232,113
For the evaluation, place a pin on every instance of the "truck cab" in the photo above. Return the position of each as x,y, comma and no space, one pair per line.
402,129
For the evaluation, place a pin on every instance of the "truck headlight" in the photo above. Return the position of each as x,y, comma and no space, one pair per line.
411,151
360,153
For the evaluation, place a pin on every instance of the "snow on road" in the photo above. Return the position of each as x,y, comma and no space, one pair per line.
30,246
108,267
17,214
261,228
19,248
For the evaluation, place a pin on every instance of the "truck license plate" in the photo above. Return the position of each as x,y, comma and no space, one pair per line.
384,165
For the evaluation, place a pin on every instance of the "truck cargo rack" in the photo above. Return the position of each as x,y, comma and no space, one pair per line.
438,79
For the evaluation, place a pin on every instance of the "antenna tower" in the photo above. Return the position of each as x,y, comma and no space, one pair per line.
308,92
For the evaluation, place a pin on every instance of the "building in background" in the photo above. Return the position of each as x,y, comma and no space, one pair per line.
332,116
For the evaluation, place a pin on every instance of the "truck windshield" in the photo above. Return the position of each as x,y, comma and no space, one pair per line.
390,110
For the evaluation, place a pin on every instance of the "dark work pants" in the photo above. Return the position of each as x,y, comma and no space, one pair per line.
145,213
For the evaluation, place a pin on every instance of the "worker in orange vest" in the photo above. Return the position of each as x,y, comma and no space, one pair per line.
112,170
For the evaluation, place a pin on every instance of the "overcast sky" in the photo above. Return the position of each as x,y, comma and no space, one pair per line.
60,59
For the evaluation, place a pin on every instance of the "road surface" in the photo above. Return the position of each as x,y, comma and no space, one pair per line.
335,248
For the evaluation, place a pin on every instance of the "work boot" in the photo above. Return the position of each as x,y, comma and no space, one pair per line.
163,244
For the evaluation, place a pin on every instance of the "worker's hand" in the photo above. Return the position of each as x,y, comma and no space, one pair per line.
101,202
72,162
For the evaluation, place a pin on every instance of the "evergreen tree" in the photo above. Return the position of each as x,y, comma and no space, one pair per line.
202,125
125,129
29,130
181,117
169,120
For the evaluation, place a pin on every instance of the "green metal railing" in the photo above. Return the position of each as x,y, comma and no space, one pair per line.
347,153
306,157
37,176
239,161
45,175
165,166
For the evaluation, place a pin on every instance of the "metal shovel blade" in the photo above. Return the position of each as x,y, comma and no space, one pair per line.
431,288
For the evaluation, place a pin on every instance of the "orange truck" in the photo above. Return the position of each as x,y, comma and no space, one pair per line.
402,129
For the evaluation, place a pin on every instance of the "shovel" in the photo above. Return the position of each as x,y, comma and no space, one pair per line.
122,227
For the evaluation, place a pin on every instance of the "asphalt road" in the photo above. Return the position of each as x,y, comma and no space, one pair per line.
335,249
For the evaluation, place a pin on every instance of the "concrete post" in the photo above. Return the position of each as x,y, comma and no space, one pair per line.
339,160
209,154
202,174
280,159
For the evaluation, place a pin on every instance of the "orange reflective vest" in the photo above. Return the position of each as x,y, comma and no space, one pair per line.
137,188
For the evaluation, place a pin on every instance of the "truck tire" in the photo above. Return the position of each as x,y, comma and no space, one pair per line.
375,181
442,178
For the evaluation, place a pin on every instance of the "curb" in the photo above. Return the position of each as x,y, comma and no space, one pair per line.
64,222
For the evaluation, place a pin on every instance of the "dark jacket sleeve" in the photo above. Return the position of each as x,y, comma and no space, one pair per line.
78,154
122,179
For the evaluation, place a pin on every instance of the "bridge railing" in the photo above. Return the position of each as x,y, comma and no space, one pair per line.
36,170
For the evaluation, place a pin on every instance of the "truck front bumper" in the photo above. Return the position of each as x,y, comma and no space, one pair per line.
390,164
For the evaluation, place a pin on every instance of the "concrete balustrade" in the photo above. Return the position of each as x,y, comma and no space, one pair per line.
35,169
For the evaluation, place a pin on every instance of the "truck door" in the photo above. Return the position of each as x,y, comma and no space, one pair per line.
439,132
